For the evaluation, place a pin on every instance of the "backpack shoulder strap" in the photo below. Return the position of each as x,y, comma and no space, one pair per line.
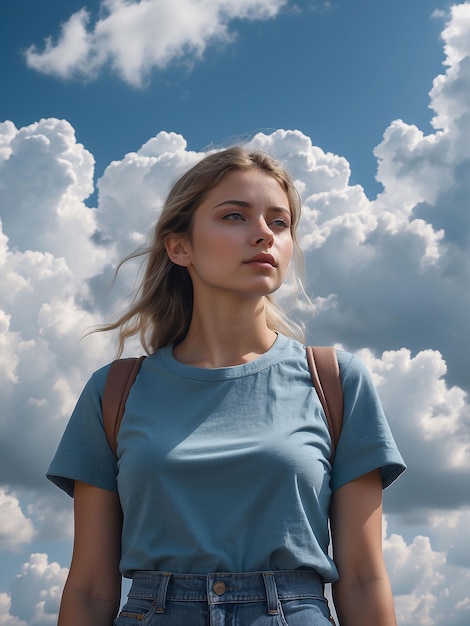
324,369
121,377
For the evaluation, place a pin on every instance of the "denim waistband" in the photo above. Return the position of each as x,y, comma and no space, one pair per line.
219,588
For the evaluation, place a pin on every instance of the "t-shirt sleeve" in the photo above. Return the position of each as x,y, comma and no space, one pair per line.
84,453
366,442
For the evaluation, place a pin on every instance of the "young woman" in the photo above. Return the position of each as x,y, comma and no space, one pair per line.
218,504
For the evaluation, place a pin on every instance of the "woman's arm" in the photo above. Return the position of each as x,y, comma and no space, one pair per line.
93,589
362,594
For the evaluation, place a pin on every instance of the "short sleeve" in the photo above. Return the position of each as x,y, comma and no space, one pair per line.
84,453
366,442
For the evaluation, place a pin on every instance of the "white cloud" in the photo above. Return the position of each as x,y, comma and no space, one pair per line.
36,591
10,344
52,515
429,588
414,574
6,619
15,528
46,254
134,189
451,531
430,421
7,132
416,168
46,177
135,36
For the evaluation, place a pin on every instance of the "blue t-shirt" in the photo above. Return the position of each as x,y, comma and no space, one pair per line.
227,469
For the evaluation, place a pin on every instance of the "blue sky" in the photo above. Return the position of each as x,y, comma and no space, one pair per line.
337,71
368,104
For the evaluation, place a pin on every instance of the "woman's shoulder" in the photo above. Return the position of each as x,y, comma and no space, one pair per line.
346,359
96,381
351,366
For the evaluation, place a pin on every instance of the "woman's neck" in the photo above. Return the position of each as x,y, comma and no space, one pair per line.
225,336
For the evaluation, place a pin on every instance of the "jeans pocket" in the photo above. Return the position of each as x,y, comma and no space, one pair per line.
136,611
305,612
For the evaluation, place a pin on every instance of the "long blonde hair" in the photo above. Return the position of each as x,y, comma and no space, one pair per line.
162,307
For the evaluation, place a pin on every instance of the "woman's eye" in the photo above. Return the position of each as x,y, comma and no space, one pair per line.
280,223
234,215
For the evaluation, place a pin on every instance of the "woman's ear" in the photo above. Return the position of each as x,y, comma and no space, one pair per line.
178,250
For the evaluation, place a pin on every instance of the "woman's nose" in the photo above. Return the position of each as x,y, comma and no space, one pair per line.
263,233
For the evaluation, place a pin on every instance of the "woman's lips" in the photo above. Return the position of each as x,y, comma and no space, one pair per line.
262,259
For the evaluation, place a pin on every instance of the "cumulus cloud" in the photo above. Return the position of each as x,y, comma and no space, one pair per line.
431,422
15,528
135,36
429,588
52,521
49,175
46,255
151,169
36,591
6,619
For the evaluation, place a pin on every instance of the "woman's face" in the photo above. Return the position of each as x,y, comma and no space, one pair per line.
241,239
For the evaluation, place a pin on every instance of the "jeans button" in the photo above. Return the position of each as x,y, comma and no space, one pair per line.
218,587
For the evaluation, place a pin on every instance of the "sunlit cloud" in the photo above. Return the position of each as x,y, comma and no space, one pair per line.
133,37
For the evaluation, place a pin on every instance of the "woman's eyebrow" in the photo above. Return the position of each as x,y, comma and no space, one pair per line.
248,205
241,203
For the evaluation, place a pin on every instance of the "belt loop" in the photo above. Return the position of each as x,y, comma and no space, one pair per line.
271,593
161,595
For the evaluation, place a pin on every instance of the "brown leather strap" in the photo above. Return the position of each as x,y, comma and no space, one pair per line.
121,377
324,369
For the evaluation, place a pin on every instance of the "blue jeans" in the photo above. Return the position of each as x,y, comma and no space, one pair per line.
285,598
